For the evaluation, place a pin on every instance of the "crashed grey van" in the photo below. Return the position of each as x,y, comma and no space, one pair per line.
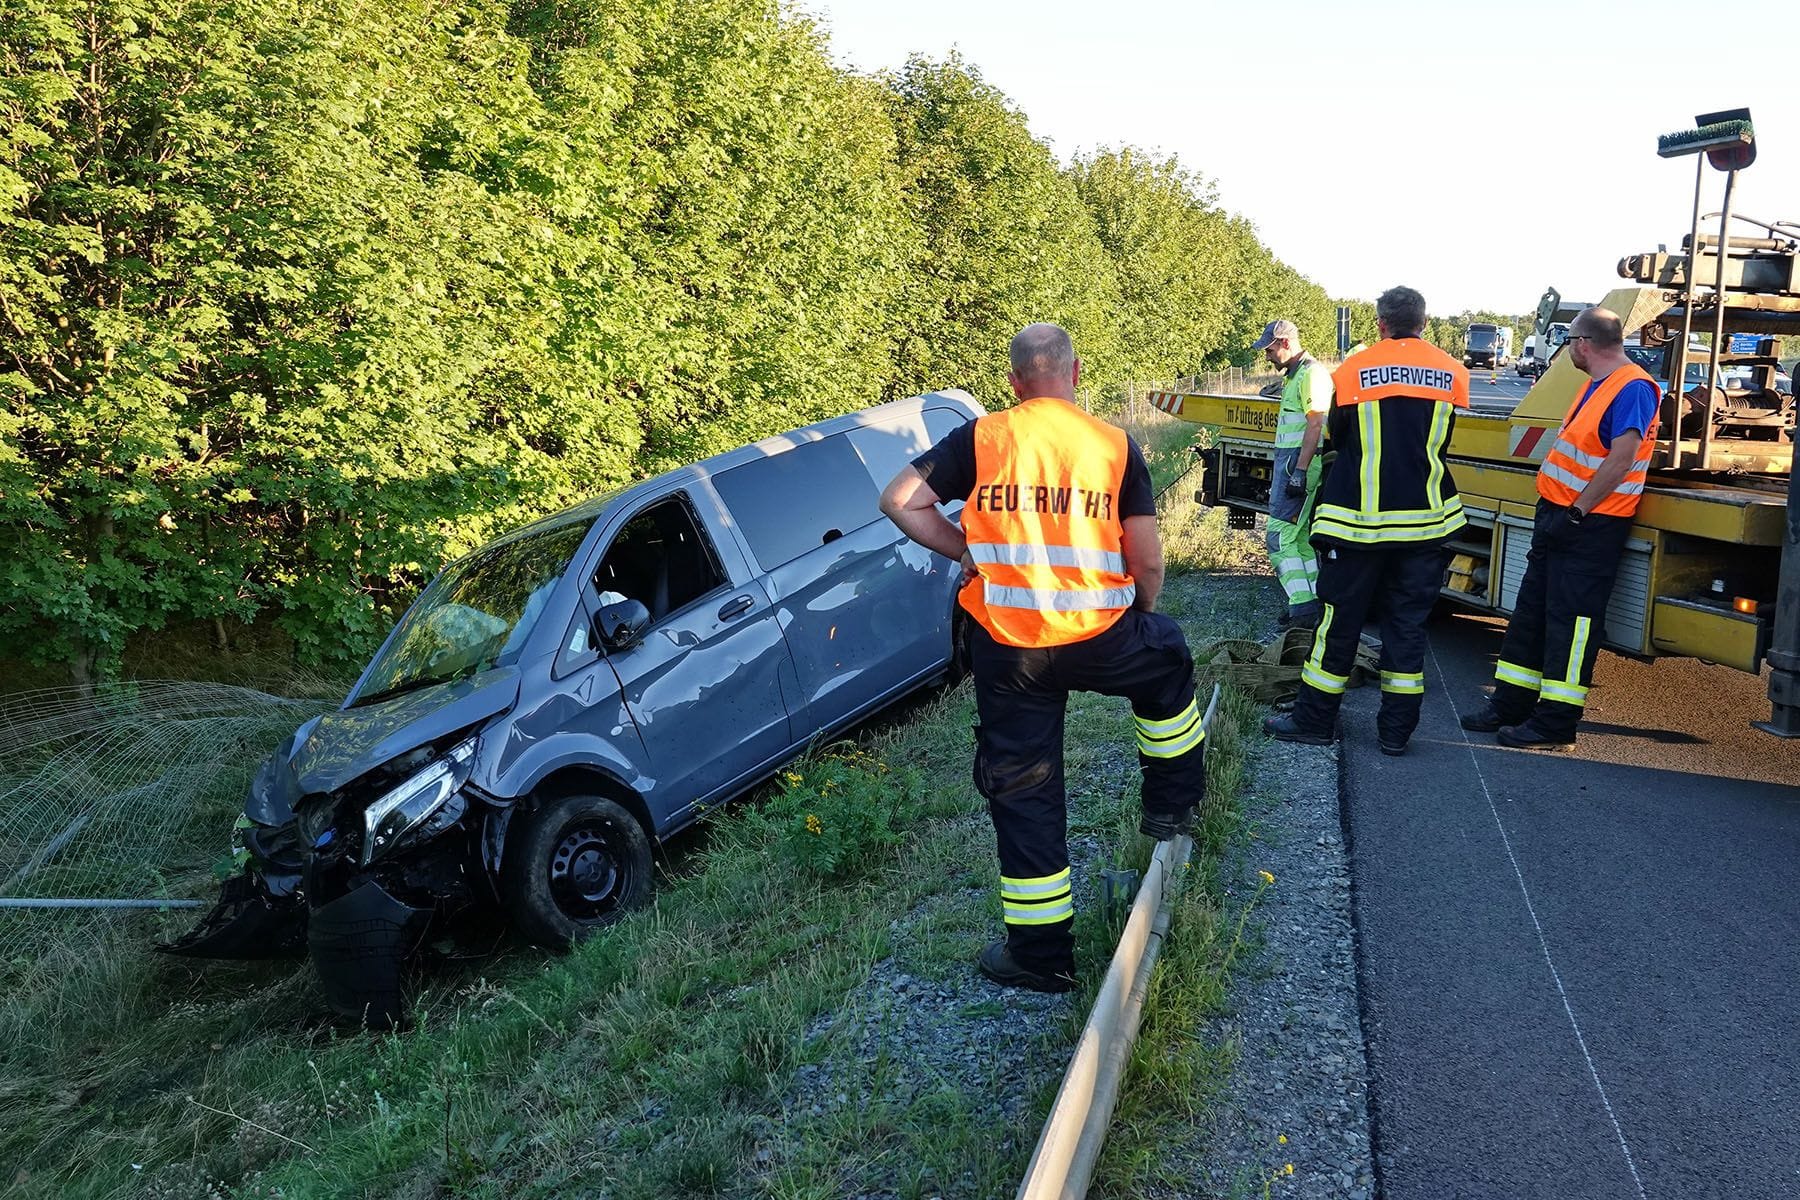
568,695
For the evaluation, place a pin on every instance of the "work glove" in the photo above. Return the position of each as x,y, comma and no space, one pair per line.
1295,485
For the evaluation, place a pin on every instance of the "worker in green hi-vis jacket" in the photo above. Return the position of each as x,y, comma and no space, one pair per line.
1305,399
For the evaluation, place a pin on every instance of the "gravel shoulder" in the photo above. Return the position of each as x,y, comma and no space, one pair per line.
924,1035
1298,1088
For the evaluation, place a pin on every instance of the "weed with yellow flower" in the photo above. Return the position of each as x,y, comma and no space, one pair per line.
842,807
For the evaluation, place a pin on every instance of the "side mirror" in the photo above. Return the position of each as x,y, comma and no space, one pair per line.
620,626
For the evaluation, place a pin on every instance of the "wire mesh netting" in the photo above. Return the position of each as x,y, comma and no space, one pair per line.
126,793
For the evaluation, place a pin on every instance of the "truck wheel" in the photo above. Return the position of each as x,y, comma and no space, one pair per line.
572,866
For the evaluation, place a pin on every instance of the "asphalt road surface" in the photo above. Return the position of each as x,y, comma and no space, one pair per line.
1503,389
1579,970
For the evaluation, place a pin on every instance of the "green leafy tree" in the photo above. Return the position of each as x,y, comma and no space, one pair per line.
298,299
738,232
1269,289
1172,252
1005,240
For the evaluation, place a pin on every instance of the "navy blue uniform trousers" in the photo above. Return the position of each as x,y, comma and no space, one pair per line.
1402,579
1559,620
1020,698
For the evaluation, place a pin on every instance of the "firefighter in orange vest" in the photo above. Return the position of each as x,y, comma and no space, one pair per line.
1588,488
1385,512
1061,565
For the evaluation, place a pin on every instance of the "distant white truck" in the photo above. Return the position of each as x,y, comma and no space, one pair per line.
1487,345
1527,364
1538,351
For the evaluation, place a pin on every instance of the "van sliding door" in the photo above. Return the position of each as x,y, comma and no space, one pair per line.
863,609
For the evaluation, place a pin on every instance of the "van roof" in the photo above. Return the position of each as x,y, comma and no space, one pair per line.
768,447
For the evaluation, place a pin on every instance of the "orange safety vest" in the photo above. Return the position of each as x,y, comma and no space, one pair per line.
1402,368
1569,466
1043,525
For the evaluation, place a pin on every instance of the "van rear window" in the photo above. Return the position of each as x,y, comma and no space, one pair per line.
800,499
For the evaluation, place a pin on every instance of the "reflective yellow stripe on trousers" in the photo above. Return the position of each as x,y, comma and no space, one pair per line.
1569,690
1173,736
1518,676
1314,671
1041,901
1405,683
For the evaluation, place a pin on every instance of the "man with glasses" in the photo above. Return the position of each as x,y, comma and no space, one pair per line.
1299,426
1588,489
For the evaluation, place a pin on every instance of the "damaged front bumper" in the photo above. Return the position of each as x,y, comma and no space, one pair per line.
251,920
360,944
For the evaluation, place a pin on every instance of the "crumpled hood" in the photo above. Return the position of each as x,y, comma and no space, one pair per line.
339,746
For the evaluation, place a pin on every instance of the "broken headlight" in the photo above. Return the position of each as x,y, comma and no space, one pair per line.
426,803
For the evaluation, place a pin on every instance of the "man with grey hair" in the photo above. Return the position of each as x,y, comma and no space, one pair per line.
1299,425
1588,490
1061,564
1385,513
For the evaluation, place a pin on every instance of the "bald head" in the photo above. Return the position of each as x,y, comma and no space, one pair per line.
1600,326
1043,362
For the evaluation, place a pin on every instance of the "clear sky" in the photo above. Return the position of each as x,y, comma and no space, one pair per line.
1476,152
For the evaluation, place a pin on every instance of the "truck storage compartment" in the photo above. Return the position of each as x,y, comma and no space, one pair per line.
1627,614
1710,630
1468,577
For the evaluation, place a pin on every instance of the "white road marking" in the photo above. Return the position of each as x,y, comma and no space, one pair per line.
1543,942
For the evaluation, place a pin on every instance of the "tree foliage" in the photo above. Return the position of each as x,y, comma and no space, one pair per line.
300,298
1004,239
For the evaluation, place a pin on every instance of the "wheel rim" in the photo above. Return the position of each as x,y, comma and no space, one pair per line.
589,871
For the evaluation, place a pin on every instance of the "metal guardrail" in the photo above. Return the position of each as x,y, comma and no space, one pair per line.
1068,1148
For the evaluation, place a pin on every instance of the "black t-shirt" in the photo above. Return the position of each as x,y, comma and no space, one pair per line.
949,467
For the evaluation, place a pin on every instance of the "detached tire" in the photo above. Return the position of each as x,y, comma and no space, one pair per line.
571,867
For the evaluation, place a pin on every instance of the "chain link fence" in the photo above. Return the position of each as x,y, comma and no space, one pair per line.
128,793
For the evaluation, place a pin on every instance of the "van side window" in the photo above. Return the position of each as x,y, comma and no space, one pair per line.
660,559
886,448
939,421
799,499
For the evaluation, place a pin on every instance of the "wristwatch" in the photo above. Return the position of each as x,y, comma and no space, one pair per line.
1576,516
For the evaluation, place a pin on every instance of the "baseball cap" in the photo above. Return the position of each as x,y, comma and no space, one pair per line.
1276,329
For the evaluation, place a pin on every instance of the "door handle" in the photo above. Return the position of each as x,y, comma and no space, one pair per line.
736,607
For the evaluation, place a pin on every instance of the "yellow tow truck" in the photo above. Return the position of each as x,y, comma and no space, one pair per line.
1702,574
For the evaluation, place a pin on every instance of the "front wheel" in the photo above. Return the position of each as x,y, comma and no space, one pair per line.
573,866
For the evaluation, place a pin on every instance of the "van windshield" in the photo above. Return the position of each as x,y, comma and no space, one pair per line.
474,612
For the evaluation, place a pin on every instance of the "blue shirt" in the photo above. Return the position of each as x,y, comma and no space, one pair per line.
1632,409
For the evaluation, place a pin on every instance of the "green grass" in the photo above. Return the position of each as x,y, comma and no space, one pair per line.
669,1055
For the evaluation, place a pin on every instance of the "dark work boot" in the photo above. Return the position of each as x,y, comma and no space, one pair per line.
998,964
1485,719
1286,729
1528,735
1161,827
